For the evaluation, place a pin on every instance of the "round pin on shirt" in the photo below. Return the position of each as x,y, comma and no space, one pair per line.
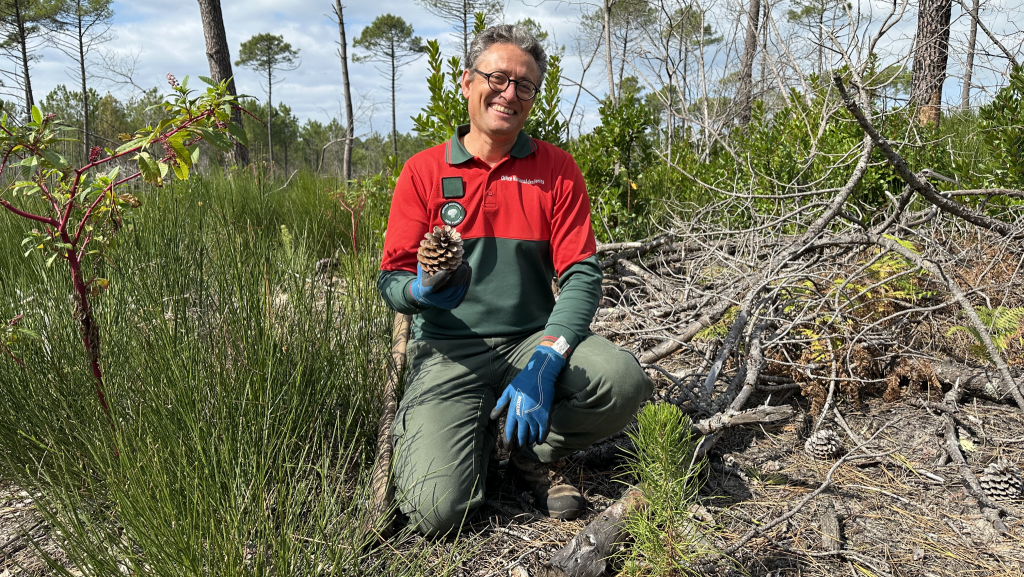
452,213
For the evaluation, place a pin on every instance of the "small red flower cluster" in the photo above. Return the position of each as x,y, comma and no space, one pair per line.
94,153
172,80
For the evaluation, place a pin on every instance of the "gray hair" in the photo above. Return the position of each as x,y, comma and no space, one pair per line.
517,36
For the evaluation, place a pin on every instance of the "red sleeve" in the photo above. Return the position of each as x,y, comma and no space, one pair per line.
572,237
407,221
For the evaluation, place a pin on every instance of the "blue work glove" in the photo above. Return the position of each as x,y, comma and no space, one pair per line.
529,397
444,290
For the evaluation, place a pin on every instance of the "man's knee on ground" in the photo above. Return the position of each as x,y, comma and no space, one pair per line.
438,511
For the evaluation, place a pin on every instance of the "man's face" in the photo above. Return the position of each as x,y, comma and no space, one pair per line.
501,114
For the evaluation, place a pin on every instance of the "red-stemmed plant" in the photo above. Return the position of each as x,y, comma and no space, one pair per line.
79,208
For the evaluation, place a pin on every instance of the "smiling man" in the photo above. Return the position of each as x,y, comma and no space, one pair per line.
498,340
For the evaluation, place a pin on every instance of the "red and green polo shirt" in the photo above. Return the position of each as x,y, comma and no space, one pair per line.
523,221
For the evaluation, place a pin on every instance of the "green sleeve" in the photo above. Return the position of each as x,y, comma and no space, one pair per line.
578,297
394,289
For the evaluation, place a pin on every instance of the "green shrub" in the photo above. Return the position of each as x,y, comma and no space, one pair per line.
1002,121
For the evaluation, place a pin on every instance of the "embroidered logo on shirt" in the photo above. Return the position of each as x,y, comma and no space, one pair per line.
524,180
452,213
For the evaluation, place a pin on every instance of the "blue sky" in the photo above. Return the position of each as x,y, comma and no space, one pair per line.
167,37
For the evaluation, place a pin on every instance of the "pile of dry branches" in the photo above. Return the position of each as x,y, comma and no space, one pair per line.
903,304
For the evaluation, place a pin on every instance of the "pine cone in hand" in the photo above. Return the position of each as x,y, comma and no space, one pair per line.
822,445
440,249
1001,482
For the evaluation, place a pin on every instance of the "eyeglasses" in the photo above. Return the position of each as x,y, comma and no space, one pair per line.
498,81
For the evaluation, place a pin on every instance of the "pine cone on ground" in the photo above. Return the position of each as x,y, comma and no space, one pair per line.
1001,482
822,445
440,250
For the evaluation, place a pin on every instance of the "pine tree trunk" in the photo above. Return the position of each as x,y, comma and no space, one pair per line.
965,95
349,116
23,45
394,126
465,33
219,57
270,116
85,92
930,58
744,94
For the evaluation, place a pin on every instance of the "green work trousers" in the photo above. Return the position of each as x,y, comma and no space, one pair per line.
444,435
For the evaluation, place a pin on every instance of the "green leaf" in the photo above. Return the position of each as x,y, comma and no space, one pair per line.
54,158
50,260
181,170
131,144
239,133
180,151
207,80
215,139
148,168
164,169
26,187
37,115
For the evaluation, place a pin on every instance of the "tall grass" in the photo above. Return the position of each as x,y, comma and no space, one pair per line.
243,389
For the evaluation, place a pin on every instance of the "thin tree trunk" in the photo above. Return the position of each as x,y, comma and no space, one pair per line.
349,116
622,62
85,92
219,57
821,41
270,116
23,44
394,124
465,33
744,94
668,121
608,50
930,58
965,95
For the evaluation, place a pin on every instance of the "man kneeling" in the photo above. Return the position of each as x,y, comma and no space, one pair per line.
497,339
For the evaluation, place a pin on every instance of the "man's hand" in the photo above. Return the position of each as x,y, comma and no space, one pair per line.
444,290
529,397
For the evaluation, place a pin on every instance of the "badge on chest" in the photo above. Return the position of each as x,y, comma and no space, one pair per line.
452,212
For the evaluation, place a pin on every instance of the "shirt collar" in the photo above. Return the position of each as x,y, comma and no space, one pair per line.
457,153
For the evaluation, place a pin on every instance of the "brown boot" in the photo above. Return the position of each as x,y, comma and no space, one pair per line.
558,501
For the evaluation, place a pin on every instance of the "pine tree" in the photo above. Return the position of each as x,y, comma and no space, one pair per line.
266,53
389,40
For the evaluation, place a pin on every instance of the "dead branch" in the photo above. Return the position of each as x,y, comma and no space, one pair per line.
712,316
831,534
921,186
977,382
381,488
755,416
586,554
